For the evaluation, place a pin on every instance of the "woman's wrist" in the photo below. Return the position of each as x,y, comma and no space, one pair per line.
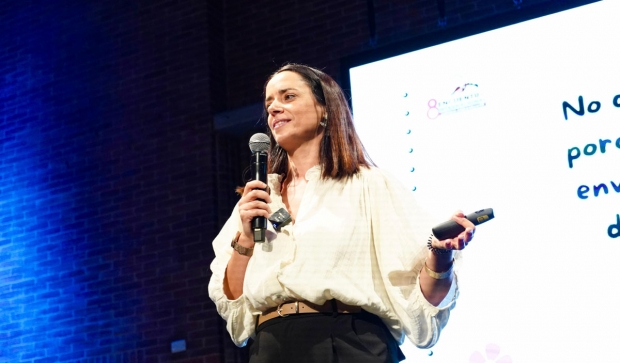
435,250
439,275
243,246
441,262
246,241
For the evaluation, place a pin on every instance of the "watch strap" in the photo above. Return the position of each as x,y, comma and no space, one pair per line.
245,251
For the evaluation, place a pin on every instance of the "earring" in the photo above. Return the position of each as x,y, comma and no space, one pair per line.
324,121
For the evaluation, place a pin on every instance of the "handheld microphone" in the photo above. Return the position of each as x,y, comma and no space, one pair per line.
451,229
259,144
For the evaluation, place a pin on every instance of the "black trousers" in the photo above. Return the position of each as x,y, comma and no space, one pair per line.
325,338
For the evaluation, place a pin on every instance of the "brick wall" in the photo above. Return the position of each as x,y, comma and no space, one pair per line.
112,180
106,181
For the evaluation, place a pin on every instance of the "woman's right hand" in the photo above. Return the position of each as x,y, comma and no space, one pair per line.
254,203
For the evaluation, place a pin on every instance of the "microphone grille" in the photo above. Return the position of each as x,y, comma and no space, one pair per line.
259,142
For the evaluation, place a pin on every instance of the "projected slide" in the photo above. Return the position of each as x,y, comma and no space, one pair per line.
526,120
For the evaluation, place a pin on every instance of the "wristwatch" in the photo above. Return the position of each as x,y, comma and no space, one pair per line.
245,251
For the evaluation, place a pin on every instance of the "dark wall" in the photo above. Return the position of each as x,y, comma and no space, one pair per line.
262,35
106,175
112,179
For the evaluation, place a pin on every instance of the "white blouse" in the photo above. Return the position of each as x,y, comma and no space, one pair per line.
361,241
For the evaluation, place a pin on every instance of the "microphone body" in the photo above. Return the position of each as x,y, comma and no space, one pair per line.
451,229
258,169
259,144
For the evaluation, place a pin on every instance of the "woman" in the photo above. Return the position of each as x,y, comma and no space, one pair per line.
352,274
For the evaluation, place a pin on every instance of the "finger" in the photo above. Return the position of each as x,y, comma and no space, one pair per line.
451,244
259,194
254,195
446,244
460,219
248,215
255,204
442,245
467,235
253,184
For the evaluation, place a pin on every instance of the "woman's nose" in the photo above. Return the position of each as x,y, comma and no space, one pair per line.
274,108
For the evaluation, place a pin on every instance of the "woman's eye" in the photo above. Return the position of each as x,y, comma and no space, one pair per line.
289,97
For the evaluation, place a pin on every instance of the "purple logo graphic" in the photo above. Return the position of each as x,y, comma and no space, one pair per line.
464,87
491,353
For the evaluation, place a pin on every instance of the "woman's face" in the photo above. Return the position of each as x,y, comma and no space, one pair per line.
294,113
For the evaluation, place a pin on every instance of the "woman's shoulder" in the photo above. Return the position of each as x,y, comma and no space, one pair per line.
373,173
380,180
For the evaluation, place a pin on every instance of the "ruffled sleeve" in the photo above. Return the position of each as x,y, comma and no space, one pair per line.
400,229
238,313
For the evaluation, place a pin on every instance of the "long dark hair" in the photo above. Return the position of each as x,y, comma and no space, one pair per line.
341,154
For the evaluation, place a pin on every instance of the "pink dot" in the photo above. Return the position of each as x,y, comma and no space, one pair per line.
476,357
492,351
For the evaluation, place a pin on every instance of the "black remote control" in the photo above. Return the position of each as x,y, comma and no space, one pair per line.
451,229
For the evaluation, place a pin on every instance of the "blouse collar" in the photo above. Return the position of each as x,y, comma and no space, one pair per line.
276,179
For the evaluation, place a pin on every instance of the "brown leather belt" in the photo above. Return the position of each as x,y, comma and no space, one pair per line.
304,307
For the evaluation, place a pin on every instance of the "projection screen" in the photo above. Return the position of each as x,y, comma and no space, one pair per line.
524,119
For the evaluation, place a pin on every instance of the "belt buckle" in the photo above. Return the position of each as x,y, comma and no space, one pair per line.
285,315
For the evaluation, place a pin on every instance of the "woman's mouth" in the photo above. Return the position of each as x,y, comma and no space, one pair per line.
280,123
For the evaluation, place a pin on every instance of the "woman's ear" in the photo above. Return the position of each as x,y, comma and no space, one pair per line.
323,121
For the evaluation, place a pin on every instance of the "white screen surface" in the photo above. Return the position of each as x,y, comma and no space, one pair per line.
482,125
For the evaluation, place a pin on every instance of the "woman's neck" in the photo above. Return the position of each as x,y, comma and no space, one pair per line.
302,160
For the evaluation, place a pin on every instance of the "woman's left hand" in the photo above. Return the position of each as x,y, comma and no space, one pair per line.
435,289
459,242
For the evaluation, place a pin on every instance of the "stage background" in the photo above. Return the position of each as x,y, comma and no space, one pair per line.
123,134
